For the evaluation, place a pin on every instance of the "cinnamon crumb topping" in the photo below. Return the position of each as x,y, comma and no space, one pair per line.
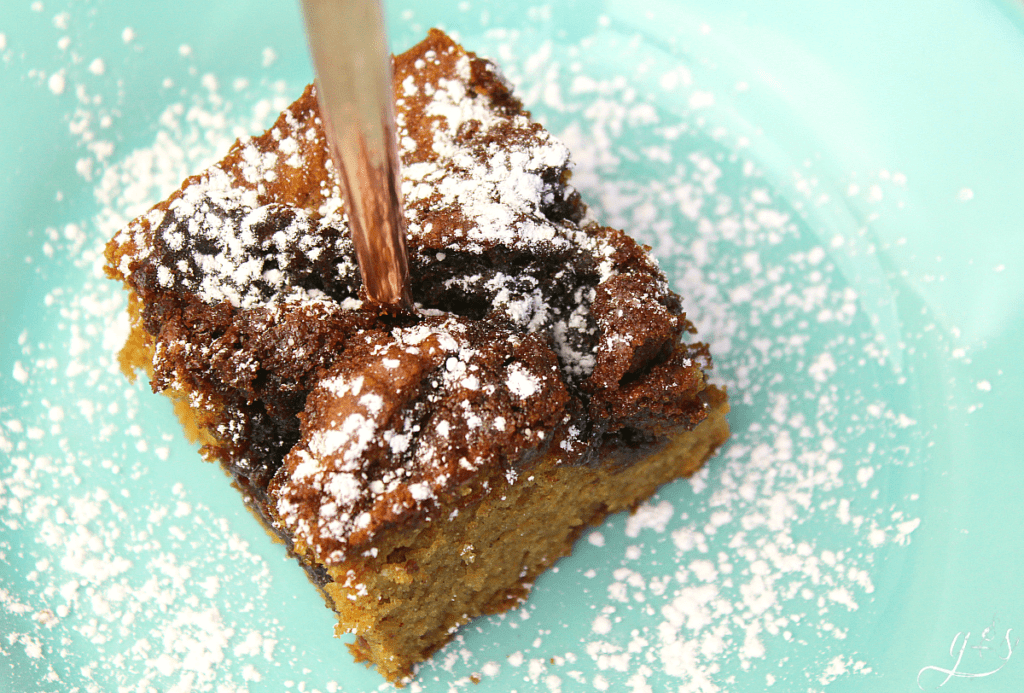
538,330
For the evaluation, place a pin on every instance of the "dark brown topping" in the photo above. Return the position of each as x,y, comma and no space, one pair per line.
408,418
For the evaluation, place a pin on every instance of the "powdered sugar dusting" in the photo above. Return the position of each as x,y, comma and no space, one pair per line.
522,383
115,578
226,238
503,194
707,587
398,403
746,581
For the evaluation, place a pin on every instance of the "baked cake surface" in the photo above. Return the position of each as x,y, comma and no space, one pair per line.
424,469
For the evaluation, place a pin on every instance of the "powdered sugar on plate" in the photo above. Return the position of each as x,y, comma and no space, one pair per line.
773,552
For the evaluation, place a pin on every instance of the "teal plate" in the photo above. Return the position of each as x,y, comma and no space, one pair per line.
834,189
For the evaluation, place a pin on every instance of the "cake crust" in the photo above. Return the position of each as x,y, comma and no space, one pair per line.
403,458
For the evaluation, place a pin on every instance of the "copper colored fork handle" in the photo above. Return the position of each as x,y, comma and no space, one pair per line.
353,68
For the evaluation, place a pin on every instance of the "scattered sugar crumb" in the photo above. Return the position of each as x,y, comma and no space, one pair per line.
19,373
648,516
701,99
56,82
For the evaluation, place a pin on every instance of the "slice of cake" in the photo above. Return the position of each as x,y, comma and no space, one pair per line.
423,469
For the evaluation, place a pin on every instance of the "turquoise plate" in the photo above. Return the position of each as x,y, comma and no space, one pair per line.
835,190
